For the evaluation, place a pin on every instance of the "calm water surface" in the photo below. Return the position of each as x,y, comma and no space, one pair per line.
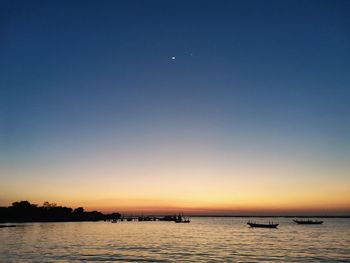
203,240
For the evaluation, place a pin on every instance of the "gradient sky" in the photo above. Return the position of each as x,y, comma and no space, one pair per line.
252,115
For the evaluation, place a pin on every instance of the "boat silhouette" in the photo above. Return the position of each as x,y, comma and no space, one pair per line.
307,222
181,219
269,225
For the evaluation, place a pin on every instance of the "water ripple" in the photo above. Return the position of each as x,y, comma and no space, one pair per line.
203,240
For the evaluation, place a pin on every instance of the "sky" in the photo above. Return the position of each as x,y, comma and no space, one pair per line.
207,107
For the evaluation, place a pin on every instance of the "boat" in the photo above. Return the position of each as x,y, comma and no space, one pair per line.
307,222
182,219
269,225
114,221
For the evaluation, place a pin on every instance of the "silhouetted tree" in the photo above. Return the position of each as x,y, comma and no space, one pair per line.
23,205
24,211
78,210
49,205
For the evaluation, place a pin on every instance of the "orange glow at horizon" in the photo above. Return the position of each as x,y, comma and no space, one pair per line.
194,177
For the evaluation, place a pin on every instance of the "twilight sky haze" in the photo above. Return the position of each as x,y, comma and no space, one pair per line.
203,106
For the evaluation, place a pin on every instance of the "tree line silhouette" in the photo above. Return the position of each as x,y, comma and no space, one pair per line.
24,211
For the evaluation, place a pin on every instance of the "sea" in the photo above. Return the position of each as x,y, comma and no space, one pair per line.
205,239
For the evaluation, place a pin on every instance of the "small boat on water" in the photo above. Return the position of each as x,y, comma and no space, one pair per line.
182,219
269,225
307,222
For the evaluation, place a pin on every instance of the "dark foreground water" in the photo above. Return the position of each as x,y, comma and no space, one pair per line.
203,240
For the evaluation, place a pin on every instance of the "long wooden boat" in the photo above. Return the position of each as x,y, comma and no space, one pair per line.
307,222
269,225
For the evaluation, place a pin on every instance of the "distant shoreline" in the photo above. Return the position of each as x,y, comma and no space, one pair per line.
25,212
262,216
195,216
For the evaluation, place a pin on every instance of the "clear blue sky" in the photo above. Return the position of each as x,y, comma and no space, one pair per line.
77,76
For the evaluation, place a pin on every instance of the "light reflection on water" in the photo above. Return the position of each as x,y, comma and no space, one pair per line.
203,240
